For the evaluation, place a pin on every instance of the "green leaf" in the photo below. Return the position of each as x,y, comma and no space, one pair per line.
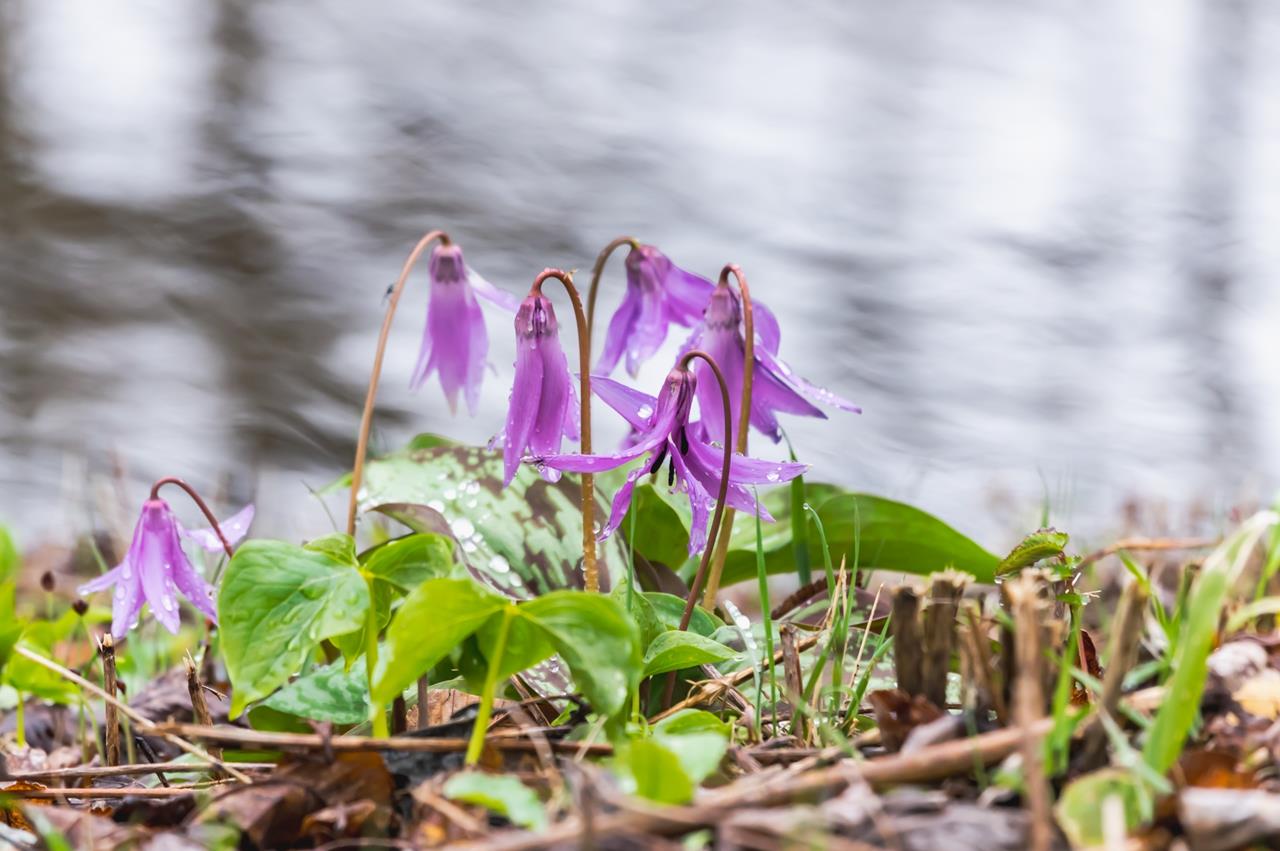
329,693
341,548
9,558
398,566
37,680
409,561
501,793
669,608
642,612
1078,809
596,639
11,627
1038,546
892,535
699,753
662,524
524,539
432,621
654,772
675,651
692,721
277,602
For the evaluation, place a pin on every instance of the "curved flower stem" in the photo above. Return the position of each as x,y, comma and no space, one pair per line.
590,571
366,418
195,497
718,517
744,419
596,271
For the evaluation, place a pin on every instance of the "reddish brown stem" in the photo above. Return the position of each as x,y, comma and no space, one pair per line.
714,531
366,418
744,418
597,271
195,497
590,570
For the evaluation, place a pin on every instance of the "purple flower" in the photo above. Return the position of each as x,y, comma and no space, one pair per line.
663,430
156,565
775,388
658,294
542,410
454,341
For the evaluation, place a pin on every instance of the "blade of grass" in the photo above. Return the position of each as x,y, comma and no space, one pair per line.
799,524
763,577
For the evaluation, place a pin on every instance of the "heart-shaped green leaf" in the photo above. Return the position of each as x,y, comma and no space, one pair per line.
675,651
277,602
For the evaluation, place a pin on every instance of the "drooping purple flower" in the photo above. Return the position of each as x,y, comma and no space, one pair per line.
659,293
156,566
455,342
542,412
775,388
663,430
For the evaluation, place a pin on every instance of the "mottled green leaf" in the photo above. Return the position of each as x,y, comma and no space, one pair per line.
277,602
500,793
434,619
524,539
891,536
1038,546
675,651
329,693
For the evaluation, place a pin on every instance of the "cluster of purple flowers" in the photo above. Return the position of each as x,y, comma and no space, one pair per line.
659,295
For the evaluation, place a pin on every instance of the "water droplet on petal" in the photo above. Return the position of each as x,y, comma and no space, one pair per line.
127,573
644,412
772,475
167,602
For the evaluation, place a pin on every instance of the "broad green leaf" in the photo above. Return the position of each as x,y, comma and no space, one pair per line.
675,651
1038,546
669,608
662,524
277,602
501,793
524,539
596,639
398,566
329,693
527,645
409,561
341,548
652,770
432,621
642,612
692,721
9,558
699,753
1078,809
26,676
893,536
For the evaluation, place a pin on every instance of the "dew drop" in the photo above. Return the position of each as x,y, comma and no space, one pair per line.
167,602
436,505
127,573
644,412
468,547
772,475
462,527
498,564
450,494
119,593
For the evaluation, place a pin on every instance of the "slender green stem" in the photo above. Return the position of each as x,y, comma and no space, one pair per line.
379,719
476,746
834,645
762,575
631,562
799,523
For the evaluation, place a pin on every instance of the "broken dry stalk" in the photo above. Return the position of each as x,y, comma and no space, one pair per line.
199,708
945,591
907,645
111,718
1028,705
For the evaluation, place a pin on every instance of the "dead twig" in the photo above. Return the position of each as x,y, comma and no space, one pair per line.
95,771
1028,705
1149,544
111,719
142,721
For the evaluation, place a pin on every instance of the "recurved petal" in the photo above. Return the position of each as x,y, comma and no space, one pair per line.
526,391
621,502
635,406
492,294
768,334
160,554
615,341
194,588
700,503
686,295
648,332
102,583
234,527
553,407
477,352
745,470
813,391
126,600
